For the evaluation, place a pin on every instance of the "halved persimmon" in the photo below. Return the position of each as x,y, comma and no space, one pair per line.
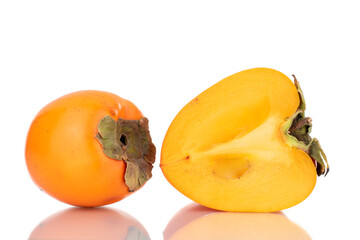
89,148
244,145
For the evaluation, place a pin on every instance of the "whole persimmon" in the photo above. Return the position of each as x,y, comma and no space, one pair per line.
89,148
244,145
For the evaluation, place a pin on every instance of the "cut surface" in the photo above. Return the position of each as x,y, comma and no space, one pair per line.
249,169
233,107
229,166
225,150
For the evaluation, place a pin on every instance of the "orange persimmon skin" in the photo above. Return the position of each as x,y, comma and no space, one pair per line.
65,159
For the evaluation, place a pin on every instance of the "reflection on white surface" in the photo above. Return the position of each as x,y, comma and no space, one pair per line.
198,222
90,223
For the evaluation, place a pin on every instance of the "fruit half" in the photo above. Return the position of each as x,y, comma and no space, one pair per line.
244,145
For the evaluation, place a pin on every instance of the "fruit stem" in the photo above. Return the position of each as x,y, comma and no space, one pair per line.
296,131
130,141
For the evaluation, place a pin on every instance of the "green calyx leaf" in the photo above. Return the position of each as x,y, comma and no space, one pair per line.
296,131
130,141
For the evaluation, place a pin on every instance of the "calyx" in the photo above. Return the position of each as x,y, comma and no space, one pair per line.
130,141
296,131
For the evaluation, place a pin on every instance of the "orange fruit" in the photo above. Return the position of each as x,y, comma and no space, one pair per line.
89,148
244,145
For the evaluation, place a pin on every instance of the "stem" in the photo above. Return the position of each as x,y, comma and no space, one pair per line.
296,131
130,141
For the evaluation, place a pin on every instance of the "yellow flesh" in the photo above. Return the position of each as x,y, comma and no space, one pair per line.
225,149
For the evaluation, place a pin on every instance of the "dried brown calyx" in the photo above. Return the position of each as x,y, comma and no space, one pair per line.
130,141
296,131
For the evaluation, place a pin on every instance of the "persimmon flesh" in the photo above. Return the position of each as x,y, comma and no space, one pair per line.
89,148
243,145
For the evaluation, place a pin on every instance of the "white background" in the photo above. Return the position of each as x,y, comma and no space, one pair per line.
160,55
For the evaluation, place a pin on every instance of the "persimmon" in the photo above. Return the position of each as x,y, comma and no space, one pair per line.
198,222
89,148
85,224
244,145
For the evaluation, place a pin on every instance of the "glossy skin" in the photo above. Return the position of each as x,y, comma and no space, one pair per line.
225,149
64,157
